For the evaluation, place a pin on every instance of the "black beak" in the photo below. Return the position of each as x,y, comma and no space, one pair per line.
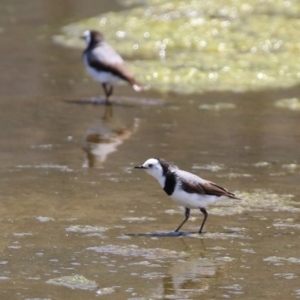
139,167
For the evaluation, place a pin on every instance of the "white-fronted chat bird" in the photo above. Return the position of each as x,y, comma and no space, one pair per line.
186,189
105,65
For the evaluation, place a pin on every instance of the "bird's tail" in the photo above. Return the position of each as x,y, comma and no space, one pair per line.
139,87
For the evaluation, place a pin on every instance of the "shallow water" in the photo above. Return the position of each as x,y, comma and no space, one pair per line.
79,223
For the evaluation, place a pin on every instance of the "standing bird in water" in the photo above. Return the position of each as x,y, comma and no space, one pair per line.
186,189
105,64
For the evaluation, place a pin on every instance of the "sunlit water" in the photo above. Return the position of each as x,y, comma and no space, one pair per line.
78,222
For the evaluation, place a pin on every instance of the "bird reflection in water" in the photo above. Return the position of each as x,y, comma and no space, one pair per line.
189,278
104,138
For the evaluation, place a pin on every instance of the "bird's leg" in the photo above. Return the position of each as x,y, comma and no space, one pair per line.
187,215
108,92
203,210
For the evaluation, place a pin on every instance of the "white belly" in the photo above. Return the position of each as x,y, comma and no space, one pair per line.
193,200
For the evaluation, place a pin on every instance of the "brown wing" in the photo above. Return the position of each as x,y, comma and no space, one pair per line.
118,69
218,190
207,188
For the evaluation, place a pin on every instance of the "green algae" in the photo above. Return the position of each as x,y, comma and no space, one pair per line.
217,106
86,229
285,226
262,164
135,251
22,234
290,103
286,275
220,236
44,219
106,291
138,219
290,167
211,167
196,46
225,258
74,282
258,200
279,260
232,175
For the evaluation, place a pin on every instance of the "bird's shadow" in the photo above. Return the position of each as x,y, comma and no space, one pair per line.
118,101
162,234
169,234
96,102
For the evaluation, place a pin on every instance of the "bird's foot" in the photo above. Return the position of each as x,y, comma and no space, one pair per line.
99,101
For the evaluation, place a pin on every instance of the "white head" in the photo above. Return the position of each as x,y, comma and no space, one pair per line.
87,37
153,167
158,168
92,37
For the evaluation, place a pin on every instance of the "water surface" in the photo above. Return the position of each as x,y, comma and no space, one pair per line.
79,223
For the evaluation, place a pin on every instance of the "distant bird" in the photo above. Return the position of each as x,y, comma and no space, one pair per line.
186,189
105,64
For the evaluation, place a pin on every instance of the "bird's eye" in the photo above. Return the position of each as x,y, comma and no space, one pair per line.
150,165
